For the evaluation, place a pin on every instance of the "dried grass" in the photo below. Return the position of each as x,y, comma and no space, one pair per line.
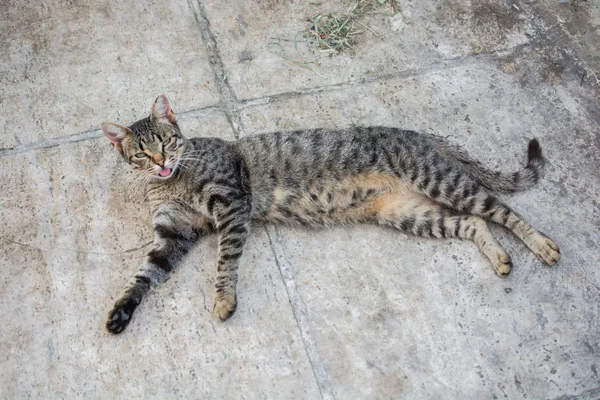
335,31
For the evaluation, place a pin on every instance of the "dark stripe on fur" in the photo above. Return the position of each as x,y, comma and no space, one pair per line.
217,198
158,258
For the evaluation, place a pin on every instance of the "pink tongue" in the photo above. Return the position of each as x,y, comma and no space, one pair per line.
165,172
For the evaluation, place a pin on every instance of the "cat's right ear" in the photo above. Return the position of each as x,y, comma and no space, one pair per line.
115,133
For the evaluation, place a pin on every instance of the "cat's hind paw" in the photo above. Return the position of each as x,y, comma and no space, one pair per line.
225,304
546,250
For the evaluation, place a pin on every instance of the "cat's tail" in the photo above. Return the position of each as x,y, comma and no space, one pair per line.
497,181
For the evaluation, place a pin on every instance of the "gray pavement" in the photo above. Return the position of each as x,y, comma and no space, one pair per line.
349,313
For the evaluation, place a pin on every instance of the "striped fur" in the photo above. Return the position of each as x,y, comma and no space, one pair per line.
416,183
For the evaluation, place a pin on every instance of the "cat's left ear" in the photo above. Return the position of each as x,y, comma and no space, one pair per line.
115,133
161,110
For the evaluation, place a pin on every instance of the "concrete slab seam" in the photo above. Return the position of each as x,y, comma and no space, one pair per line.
228,99
230,106
300,313
437,66
90,134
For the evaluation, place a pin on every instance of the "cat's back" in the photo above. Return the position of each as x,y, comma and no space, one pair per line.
314,153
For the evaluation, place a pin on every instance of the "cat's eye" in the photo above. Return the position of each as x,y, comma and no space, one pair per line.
140,155
168,141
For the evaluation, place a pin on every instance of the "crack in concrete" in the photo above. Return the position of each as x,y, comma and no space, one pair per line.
78,251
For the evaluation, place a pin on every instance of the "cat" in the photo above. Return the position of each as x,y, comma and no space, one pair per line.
419,184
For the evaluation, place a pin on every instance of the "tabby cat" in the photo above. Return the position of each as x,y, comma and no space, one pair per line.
419,184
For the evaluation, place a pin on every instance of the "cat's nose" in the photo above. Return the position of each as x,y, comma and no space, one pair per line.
158,159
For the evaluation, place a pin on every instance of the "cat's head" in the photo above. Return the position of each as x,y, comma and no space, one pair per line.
152,145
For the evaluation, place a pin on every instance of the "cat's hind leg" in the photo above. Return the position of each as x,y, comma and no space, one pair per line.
418,215
541,245
456,190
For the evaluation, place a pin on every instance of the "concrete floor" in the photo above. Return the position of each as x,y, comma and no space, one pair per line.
358,313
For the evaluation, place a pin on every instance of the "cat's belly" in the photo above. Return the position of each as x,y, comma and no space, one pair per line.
350,200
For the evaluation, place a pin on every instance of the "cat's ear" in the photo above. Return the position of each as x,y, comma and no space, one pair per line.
161,110
115,133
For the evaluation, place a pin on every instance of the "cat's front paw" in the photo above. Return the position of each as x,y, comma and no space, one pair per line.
225,304
120,316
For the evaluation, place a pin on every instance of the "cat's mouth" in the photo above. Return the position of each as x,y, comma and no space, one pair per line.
165,172
167,169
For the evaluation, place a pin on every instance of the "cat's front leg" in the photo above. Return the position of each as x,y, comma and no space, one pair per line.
175,232
233,226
